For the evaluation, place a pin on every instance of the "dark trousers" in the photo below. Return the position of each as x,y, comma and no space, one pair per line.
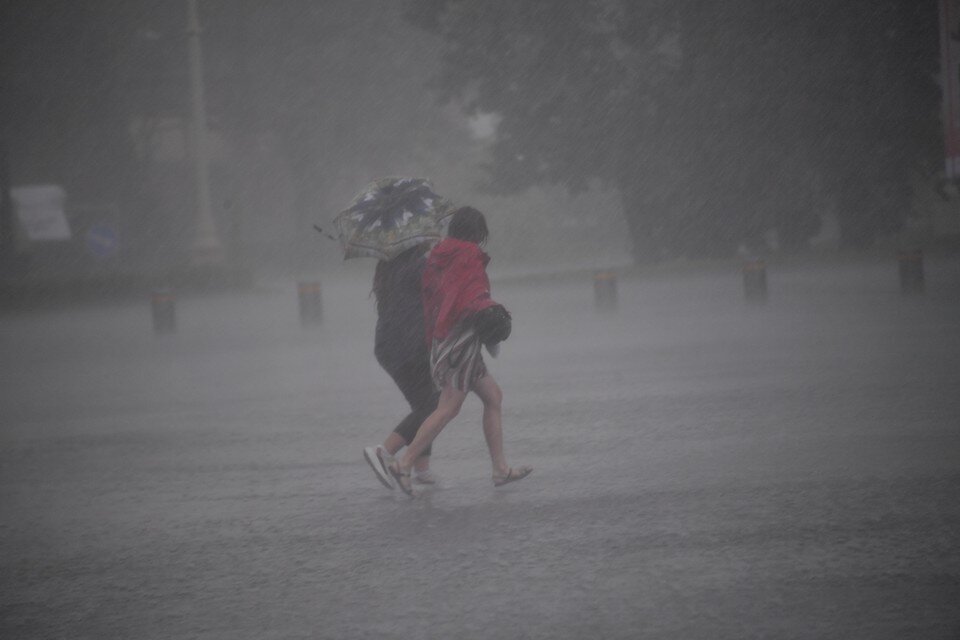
412,376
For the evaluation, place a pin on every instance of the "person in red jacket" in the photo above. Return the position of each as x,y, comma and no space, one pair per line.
460,316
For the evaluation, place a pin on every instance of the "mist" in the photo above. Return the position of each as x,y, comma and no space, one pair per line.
727,238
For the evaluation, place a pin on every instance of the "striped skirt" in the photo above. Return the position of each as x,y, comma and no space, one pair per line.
457,360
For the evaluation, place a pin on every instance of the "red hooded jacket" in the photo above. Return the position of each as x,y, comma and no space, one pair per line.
455,285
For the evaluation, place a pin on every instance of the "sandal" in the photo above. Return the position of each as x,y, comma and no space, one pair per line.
402,478
512,476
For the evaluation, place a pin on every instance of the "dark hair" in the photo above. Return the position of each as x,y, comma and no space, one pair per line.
468,224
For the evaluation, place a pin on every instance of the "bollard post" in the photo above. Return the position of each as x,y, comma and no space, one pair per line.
755,280
605,291
311,304
164,310
911,271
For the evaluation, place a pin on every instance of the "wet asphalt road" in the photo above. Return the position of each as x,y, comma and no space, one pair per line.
705,468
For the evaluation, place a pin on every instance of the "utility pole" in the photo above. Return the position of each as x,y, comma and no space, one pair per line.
207,249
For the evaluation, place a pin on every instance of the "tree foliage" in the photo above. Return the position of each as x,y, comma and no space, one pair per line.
716,121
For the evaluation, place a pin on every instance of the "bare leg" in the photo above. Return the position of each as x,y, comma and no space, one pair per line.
395,442
489,392
451,399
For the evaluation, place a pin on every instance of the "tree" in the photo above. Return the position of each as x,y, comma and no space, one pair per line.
878,114
708,117
61,101
82,82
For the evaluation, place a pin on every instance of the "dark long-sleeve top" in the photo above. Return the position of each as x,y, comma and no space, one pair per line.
400,330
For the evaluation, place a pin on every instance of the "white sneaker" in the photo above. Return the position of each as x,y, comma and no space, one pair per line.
375,458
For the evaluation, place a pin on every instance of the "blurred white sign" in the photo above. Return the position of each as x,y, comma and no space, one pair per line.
40,211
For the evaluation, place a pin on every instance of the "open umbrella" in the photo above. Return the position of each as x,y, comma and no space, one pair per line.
389,216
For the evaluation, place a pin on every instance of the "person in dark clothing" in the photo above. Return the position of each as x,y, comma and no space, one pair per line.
401,349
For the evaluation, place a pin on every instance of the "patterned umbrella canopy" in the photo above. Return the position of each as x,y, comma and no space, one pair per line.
389,216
